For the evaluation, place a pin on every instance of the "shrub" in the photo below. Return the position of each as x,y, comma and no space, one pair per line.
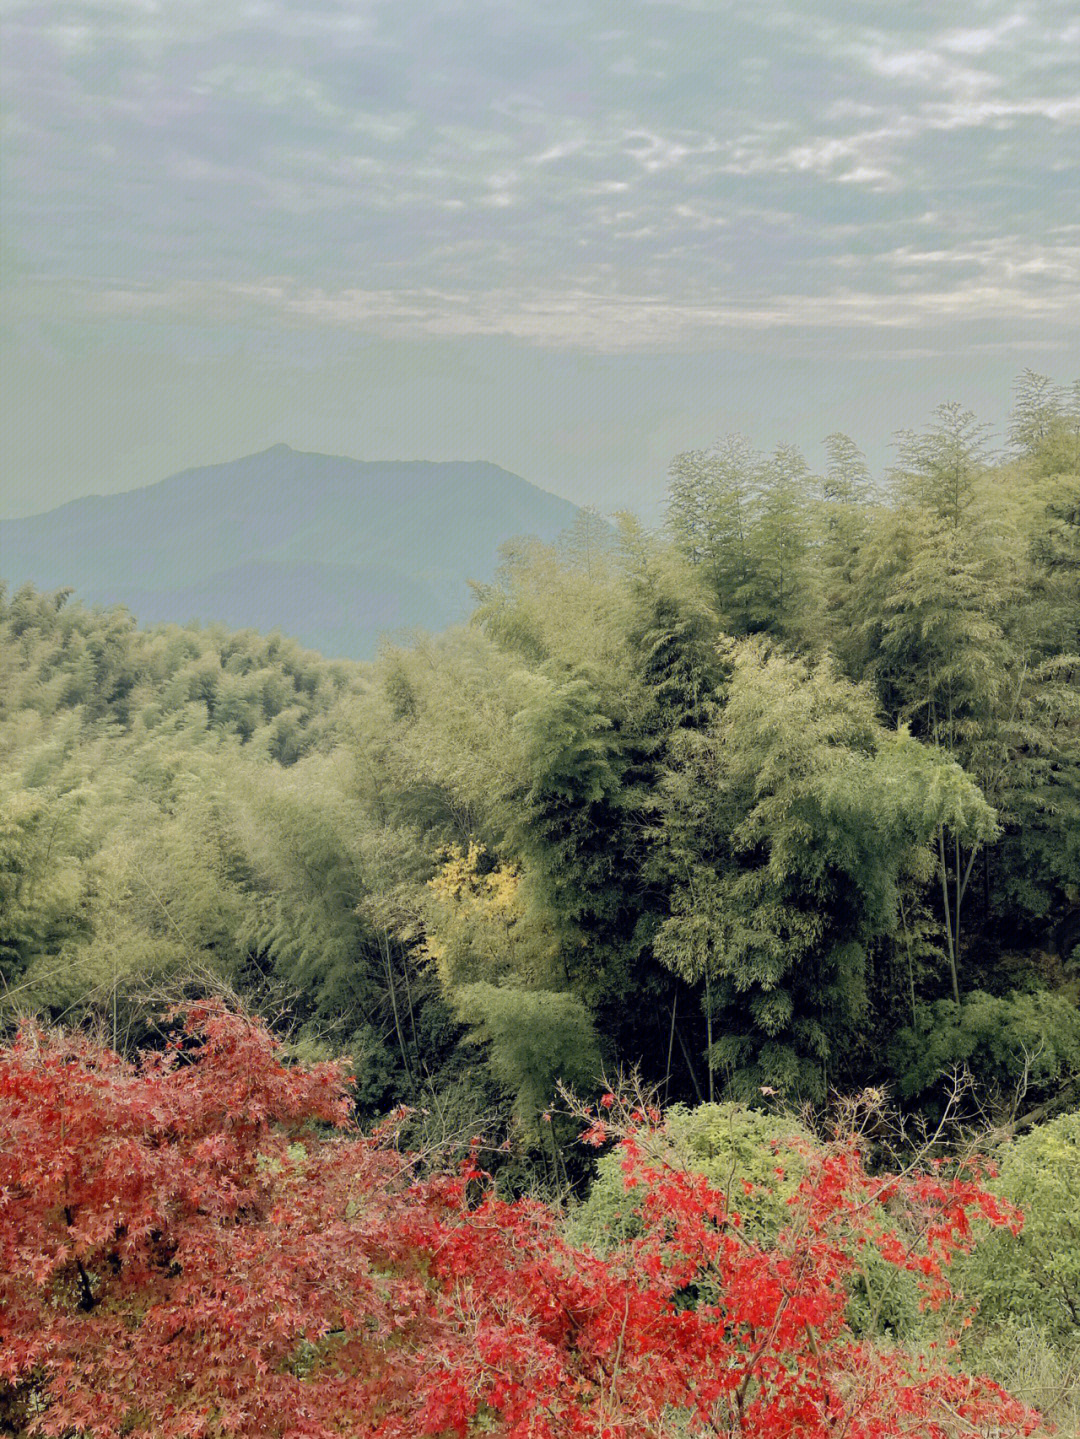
187,1248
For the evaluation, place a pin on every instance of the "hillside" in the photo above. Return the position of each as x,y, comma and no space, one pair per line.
781,803
333,551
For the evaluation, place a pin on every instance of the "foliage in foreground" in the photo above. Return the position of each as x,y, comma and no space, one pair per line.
1037,1277
198,1244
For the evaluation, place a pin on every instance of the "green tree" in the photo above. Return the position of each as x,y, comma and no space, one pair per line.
713,504
845,518
42,882
939,468
1038,408
780,545
787,827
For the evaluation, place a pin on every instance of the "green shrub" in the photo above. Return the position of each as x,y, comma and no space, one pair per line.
733,1146
1040,1370
1034,1277
729,1144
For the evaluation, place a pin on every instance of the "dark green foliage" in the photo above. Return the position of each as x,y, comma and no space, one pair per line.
534,1038
1014,1045
787,795
787,829
572,770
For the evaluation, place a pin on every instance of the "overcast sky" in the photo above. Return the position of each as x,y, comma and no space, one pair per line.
569,236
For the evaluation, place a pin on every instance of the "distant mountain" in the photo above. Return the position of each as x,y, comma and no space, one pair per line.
333,551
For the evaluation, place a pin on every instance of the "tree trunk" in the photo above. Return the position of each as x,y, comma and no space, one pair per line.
951,948
689,1066
385,947
708,1033
670,1045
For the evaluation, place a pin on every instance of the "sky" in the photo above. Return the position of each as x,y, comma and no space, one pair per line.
570,237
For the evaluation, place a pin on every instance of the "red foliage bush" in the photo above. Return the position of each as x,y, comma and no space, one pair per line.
201,1244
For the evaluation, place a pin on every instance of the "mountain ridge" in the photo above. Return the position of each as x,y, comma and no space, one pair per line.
332,550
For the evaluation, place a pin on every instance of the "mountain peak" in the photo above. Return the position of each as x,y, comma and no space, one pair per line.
332,550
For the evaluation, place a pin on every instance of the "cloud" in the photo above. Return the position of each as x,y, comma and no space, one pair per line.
904,288
628,173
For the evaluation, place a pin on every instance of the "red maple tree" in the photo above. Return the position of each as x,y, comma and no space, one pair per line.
202,1244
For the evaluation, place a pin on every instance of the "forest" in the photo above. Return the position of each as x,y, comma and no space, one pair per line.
756,833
